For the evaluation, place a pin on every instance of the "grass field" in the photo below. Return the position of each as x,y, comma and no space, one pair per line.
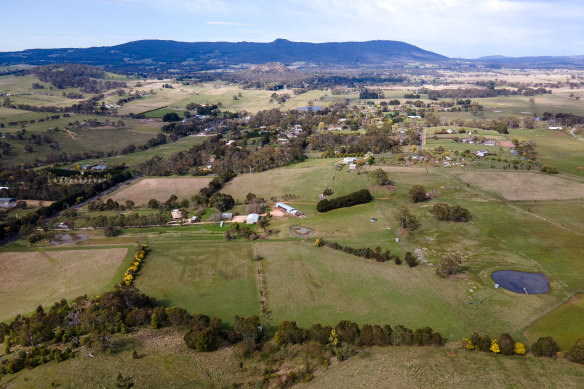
163,151
563,323
32,278
555,148
160,188
215,278
523,185
104,139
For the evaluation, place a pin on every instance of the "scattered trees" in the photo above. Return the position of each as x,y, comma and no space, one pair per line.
445,212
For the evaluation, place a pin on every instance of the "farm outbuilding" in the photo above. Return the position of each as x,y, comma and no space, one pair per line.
289,210
252,218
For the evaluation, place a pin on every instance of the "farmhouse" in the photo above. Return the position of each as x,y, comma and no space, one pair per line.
177,214
252,218
227,215
7,202
349,159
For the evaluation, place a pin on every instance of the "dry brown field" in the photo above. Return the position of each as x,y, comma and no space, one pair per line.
523,186
32,278
161,188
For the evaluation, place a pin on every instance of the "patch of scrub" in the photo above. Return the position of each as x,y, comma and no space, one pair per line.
521,282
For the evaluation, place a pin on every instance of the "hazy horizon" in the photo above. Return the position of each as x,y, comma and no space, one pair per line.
454,28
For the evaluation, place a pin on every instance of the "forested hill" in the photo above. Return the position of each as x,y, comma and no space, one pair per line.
212,55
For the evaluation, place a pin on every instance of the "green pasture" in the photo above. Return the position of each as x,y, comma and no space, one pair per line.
215,278
555,148
564,324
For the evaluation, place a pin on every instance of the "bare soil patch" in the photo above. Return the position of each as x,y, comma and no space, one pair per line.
524,186
161,189
301,232
33,278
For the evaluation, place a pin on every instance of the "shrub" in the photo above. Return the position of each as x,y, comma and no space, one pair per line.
34,237
549,169
360,197
449,265
417,194
545,347
519,348
288,333
506,344
576,353
318,333
347,331
402,336
111,231
411,259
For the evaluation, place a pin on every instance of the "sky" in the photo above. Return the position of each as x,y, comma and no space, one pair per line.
455,28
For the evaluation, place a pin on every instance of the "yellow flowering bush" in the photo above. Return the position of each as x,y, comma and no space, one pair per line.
519,348
468,344
495,347
132,270
333,339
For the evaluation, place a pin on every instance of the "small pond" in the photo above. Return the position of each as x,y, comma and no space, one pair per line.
64,238
521,282
314,108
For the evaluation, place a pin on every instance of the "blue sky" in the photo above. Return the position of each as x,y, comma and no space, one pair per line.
456,28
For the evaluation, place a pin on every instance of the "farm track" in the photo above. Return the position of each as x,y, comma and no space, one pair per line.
574,135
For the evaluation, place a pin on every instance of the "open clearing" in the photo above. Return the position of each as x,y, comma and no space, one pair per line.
161,189
523,186
214,278
33,278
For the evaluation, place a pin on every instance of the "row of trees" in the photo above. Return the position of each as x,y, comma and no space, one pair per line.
360,197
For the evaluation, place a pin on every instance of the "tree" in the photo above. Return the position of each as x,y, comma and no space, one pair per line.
171,117
222,201
417,194
129,204
153,204
431,119
501,127
441,211
449,265
459,214
406,219
380,176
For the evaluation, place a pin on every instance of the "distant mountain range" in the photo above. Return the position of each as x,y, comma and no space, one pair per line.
214,55
164,55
